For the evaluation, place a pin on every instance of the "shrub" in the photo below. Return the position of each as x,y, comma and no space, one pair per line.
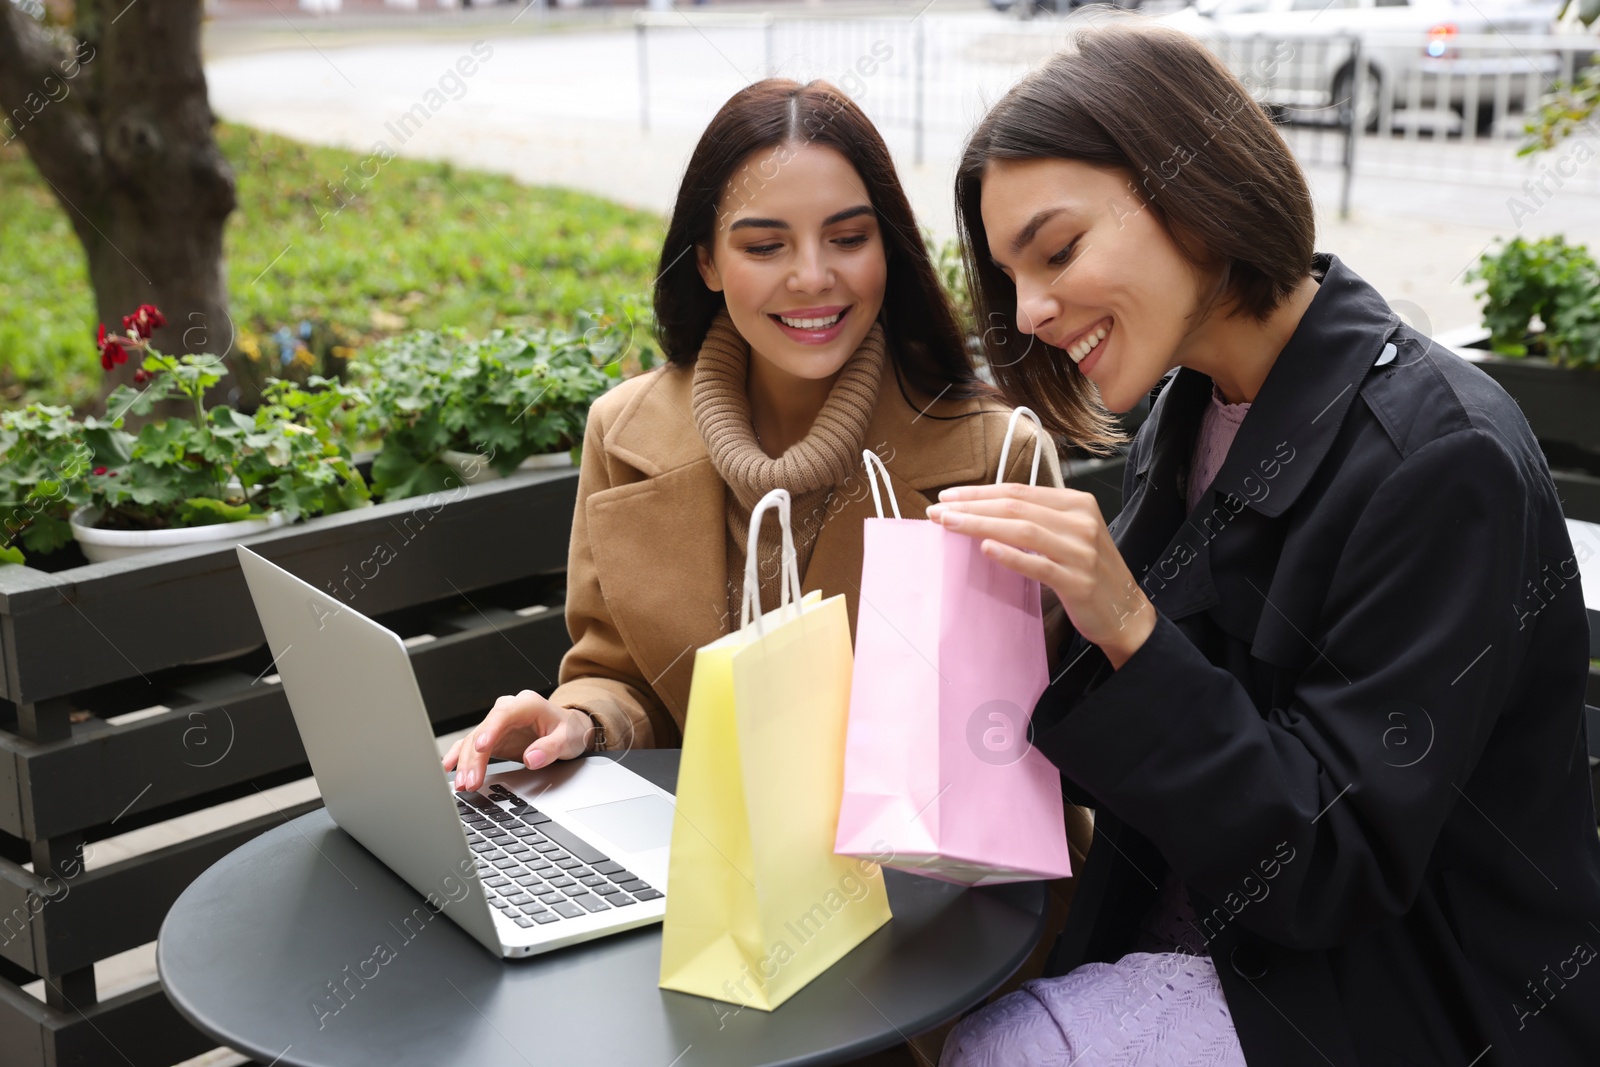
1548,280
507,396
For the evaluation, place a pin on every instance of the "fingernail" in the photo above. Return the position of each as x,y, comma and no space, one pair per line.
935,511
481,742
534,758
470,781
950,494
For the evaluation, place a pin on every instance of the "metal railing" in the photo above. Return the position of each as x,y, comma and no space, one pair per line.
1424,107
1462,115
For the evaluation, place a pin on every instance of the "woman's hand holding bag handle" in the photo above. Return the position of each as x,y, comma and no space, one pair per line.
1059,538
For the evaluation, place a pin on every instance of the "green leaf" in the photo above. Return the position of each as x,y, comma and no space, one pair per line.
208,511
393,467
11,554
46,534
125,400
351,495
147,485
165,442
109,446
397,474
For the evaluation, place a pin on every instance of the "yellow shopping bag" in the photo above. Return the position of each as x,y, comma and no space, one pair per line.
758,904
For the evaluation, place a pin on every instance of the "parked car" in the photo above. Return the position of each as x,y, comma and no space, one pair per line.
1058,6
1427,54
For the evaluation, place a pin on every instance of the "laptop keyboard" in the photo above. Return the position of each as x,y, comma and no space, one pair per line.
535,870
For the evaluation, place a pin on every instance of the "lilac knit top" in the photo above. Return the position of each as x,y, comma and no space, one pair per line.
1217,427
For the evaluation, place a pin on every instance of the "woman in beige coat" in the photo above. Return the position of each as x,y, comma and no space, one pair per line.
803,323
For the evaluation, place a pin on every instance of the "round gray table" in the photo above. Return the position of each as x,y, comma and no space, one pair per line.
252,952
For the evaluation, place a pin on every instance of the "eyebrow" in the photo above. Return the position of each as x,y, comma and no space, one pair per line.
1031,230
779,224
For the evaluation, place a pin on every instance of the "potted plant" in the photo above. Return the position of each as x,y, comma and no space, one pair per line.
450,409
1540,338
219,476
45,457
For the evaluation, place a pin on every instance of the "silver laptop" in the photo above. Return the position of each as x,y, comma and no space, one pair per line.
533,861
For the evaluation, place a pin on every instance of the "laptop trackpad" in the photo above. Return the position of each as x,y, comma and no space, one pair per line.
638,824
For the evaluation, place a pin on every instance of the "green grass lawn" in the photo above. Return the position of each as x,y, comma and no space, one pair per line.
419,245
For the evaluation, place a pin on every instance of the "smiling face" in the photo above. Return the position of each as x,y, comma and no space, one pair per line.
1097,274
799,259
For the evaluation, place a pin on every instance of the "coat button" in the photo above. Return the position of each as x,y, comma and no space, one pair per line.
1248,962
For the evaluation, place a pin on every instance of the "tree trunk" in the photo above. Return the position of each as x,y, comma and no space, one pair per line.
114,115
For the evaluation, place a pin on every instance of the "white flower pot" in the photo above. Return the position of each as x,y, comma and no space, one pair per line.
101,545
473,468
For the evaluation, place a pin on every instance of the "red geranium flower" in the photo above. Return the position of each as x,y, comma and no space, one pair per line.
140,376
111,349
100,470
143,322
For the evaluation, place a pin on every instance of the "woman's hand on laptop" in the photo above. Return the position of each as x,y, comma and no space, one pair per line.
524,727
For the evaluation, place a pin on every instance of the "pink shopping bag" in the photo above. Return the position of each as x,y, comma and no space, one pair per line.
950,658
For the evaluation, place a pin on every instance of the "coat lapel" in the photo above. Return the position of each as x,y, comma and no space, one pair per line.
660,542
1308,392
1152,531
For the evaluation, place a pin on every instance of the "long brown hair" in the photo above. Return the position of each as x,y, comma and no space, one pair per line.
924,340
1197,149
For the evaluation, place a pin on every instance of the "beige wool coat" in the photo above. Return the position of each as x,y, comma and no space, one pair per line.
647,580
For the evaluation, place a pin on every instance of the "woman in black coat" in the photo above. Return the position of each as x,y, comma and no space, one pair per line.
1325,695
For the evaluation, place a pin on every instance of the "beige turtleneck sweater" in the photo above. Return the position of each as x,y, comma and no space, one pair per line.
810,470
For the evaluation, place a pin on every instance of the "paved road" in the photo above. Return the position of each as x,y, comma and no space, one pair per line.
563,108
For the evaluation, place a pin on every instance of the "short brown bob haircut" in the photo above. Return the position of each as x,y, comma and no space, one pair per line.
1199,151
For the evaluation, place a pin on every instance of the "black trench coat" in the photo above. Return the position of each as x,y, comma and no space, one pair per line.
1356,734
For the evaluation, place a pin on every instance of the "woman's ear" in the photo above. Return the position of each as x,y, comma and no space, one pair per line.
708,268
